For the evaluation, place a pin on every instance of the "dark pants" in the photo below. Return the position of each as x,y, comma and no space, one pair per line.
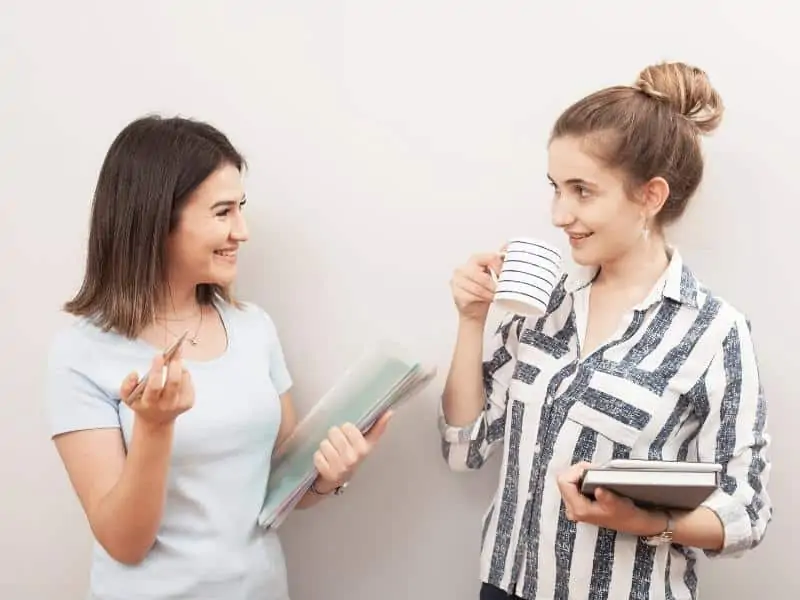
489,592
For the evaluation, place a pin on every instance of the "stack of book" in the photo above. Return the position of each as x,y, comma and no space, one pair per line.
382,379
655,483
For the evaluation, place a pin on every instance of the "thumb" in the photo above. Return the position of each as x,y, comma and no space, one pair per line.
605,498
376,431
130,381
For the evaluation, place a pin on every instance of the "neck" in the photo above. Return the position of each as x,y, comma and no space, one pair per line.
639,267
179,303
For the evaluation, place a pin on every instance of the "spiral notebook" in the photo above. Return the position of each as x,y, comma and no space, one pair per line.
381,379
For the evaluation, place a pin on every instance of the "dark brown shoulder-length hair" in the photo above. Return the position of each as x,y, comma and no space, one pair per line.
149,172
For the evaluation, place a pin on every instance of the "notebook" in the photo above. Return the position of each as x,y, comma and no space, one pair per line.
383,378
655,484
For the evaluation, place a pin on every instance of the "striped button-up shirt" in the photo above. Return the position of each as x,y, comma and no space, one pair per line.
678,381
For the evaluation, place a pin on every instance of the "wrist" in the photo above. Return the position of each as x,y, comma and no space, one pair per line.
653,523
152,429
471,325
323,487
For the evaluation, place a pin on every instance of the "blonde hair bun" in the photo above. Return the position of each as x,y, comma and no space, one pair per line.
687,90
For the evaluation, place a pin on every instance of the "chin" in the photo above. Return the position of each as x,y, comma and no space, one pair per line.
584,258
220,279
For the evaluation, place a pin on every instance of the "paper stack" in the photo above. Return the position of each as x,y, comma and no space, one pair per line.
381,379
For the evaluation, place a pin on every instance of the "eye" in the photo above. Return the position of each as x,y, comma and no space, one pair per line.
583,191
553,185
224,212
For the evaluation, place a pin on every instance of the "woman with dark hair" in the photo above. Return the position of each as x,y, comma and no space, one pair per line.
173,502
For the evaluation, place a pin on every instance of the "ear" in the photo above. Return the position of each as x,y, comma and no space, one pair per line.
653,195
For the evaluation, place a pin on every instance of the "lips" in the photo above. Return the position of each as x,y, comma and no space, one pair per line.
579,236
227,253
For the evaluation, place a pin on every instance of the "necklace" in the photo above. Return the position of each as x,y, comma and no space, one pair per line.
191,338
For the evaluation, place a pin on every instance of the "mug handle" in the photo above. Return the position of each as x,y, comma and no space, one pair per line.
490,270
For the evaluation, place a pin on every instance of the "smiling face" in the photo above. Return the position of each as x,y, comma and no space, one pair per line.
591,205
203,246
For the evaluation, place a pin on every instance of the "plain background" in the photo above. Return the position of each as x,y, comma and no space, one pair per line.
387,142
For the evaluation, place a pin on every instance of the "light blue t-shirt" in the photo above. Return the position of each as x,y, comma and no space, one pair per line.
209,545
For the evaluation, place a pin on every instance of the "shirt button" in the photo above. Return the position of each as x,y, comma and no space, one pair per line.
536,449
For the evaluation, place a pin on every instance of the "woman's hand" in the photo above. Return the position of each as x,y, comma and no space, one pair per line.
163,399
343,451
473,287
608,509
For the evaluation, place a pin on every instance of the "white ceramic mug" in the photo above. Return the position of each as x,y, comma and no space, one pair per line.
531,269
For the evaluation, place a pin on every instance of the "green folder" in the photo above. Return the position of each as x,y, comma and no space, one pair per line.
381,379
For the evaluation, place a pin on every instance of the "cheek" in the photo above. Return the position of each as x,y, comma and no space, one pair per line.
189,248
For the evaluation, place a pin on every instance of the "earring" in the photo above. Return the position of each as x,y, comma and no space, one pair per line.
646,231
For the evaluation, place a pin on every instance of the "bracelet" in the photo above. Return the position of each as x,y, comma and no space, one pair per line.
665,537
337,491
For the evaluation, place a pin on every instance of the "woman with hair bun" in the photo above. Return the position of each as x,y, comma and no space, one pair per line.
634,358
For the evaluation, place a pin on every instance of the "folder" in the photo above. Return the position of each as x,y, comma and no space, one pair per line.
383,378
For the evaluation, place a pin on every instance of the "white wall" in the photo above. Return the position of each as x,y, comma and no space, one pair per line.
387,142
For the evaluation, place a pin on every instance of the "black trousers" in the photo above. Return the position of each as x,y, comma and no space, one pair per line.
489,592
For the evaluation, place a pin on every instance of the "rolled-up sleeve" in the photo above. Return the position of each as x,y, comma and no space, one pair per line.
467,448
735,435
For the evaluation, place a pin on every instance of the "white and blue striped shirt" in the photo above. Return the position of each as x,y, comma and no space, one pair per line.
678,381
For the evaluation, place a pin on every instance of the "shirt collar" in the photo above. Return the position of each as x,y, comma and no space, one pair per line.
677,283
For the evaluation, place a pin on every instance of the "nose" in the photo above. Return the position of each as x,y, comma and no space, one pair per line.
560,214
239,232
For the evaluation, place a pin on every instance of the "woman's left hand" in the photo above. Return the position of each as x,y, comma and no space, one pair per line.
345,448
608,509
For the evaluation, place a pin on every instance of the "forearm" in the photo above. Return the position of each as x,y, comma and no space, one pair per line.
464,397
127,519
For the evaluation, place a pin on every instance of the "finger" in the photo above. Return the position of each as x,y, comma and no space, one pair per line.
172,385
377,430
569,490
608,500
567,509
186,392
322,466
574,474
480,275
356,439
341,443
484,259
155,379
128,384
470,291
497,263
580,507
331,456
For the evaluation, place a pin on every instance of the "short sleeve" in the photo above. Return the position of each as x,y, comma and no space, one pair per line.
278,371
73,400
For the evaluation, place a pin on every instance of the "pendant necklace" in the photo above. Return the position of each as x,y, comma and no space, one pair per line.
191,338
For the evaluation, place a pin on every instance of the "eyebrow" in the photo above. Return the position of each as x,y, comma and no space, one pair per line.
222,203
574,181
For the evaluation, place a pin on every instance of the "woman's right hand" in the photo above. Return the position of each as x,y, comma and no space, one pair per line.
473,287
161,402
